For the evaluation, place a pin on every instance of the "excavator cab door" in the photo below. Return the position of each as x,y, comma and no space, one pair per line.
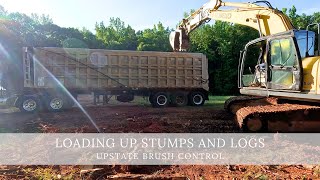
284,71
252,66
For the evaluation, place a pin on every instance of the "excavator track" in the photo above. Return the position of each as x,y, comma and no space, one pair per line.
257,114
243,100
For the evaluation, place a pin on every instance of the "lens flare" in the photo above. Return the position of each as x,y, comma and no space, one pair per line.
4,51
68,93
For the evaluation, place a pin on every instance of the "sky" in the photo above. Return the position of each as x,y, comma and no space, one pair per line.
139,14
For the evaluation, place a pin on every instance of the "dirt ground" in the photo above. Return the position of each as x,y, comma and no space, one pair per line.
137,118
121,118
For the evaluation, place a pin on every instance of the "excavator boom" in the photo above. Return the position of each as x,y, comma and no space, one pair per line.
265,19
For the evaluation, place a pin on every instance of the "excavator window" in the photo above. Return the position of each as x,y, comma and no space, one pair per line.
283,52
254,65
283,64
276,68
304,45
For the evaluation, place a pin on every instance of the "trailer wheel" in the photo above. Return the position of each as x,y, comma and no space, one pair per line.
160,99
196,99
179,99
29,104
55,103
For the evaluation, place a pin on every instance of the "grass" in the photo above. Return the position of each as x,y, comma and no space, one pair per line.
217,101
6,130
142,101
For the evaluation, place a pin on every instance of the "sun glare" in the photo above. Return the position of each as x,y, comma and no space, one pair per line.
26,7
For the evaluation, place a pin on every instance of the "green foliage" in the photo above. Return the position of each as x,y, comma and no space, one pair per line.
39,31
91,40
222,43
73,43
117,35
43,19
156,39
299,21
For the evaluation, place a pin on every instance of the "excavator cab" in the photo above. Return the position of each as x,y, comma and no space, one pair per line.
281,66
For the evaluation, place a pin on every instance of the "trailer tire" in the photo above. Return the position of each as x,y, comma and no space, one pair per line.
196,98
29,104
55,103
150,99
125,98
179,99
160,99
70,101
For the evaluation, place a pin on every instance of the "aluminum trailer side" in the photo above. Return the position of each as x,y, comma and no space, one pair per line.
53,77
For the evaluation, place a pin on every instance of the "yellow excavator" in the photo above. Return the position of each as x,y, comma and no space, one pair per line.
281,84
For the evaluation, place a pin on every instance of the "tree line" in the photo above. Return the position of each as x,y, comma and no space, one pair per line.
221,42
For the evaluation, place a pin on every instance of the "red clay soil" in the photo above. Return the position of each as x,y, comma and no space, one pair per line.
161,172
123,119
144,119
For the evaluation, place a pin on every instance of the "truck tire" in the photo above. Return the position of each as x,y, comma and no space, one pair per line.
55,103
160,99
179,99
29,104
196,99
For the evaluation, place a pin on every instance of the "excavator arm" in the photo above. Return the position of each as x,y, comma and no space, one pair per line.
265,19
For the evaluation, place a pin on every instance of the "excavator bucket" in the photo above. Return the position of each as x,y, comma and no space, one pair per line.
174,40
179,40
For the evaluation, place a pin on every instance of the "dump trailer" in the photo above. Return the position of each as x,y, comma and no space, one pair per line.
53,77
